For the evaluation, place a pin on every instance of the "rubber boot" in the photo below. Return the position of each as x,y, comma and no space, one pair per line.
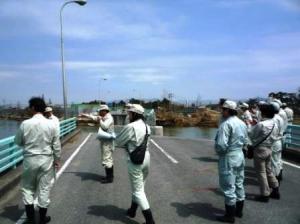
43,218
109,175
131,212
148,216
239,209
279,177
275,193
30,214
229,215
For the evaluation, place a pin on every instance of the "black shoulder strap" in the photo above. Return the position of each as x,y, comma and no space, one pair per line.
265,138
147,134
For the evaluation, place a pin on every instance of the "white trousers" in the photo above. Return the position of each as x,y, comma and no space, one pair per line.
107,149
137,177
276,160
38,171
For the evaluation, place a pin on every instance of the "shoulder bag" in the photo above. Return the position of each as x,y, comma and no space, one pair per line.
250,151
138,155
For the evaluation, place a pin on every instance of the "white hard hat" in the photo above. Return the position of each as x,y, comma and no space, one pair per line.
128,105
103,107
284,104
48,109
230,105
275,105
278,101
244,105
136,108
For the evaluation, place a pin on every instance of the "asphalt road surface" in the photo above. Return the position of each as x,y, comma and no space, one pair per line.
182,187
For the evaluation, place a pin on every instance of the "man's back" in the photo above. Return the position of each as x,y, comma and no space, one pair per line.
37,136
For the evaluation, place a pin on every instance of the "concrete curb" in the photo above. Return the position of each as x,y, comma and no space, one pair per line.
13,176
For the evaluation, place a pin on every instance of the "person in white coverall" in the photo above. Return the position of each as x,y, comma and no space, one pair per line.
106,122
289,113
246,116
39,138
230,140
132,136
49,114
277,145
263,135
284,117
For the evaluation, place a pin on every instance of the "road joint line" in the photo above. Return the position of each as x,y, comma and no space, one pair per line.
290,164
164,152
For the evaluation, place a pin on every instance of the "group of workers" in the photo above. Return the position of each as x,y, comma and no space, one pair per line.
256,132
260,128
131,137
39,137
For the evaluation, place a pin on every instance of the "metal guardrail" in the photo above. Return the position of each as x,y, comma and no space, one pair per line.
11,154
292,139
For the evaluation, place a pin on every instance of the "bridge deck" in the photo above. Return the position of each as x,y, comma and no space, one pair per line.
183,192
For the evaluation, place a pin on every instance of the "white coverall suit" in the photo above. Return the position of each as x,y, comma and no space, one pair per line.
284,117
276,160
247,118
130,137
230,139
40,139
56,122
107,145
290,115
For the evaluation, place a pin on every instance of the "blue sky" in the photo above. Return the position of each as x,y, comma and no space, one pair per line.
212,48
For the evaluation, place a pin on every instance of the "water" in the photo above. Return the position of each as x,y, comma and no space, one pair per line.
191,132
8,128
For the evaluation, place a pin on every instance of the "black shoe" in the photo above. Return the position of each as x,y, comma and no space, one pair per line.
229,215
278,179
131,212
43,218
109,176
262,198
239,209
30,214
275,193
148,216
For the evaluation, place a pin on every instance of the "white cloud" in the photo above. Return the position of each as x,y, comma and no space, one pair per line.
8,75
234,3
95,20
291,5
150,78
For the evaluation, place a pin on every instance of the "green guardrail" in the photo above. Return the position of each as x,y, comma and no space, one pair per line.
292,137
11,154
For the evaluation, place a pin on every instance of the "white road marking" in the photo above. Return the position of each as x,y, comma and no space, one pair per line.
164,152
59,173
290,164
67,163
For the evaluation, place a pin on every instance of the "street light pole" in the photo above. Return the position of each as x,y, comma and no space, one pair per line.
81,3
104,79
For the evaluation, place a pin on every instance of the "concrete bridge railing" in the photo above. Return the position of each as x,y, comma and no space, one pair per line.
11,154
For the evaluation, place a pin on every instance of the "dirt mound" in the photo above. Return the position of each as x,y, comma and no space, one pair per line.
202,118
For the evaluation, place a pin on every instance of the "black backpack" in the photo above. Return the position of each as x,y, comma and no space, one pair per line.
138,155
